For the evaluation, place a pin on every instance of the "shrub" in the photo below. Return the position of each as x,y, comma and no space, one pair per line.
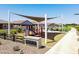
13,37
13,31
77,27
4,35
3,32
19,30
51,29
67,28
16,48
59,29
56,29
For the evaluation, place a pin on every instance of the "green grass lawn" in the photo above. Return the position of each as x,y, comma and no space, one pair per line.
58,37
50,42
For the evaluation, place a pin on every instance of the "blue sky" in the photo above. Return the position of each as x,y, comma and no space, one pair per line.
67,11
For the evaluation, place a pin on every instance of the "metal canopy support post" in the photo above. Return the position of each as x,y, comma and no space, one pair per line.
45,28
8,22
38,29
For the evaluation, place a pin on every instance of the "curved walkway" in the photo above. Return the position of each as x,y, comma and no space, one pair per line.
67,45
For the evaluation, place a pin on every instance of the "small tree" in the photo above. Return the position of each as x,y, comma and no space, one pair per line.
13,37
4,34
13,34
0,43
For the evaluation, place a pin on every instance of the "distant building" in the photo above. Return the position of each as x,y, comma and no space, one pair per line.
3,24
53,26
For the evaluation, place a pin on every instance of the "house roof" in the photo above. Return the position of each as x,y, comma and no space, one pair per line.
25,22
53,24
18,21
3,21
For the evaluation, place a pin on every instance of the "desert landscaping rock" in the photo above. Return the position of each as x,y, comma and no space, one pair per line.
7,48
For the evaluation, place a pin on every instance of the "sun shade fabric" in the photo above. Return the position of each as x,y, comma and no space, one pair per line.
76,14
38,19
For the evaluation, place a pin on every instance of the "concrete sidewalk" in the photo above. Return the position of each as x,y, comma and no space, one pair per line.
67,45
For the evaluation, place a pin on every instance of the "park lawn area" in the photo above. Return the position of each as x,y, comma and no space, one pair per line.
58,37
50,42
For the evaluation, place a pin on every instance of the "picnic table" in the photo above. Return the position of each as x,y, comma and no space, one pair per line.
35,39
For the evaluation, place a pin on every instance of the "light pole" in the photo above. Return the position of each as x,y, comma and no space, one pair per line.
62,23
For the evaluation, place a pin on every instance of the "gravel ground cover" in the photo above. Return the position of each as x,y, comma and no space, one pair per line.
6,47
